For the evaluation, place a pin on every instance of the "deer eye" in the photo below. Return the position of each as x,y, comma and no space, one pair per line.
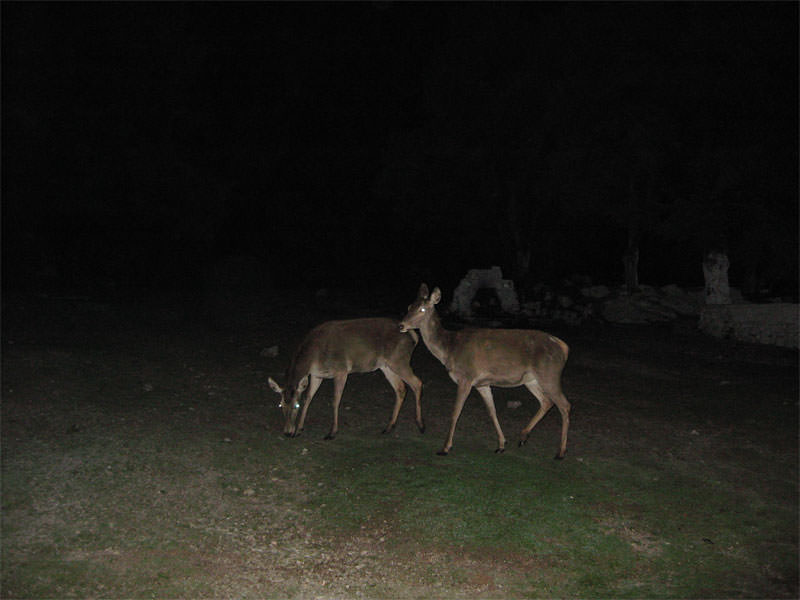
296,405
421,309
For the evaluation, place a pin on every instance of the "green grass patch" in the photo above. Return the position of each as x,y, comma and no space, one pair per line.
604,527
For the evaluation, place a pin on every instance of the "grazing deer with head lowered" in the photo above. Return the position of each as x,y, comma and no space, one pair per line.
335,349
481,358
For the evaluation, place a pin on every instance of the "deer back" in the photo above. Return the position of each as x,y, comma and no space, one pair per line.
351,346
505,357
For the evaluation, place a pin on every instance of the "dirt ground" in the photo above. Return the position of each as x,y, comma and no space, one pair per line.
658,390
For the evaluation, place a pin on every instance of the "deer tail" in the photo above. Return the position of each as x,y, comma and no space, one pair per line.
562,344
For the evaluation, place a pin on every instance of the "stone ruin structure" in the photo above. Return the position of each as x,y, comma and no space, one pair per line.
777,324
478,279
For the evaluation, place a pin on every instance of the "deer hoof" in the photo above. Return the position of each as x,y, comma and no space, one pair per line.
329,437
559,457
499,450
523,442
387,430
442,452
421,427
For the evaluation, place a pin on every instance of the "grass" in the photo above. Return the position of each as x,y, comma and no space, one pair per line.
589,527
169,477
604,528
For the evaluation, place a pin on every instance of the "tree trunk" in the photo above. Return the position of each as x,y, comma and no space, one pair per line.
715,273
631,263
520,238
523,264
631,258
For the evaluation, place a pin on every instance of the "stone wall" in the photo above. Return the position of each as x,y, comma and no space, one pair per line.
775,324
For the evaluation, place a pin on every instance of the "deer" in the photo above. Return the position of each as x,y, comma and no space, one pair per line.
481,358
333,350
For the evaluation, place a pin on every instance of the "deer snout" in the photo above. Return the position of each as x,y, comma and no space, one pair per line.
403,327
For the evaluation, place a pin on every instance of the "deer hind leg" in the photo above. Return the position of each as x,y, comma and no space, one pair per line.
563,406
415,383
338,389
544,405
313,385
486,394
461,397
399,394
416,386
548,397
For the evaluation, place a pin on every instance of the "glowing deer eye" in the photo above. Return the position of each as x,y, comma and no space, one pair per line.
421,309
296,405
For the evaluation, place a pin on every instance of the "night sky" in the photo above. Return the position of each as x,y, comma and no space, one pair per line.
376,144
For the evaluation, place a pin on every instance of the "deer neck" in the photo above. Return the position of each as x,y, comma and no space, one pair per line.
436,337
298,369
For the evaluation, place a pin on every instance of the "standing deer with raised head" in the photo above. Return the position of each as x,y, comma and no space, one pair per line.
335,349
481,358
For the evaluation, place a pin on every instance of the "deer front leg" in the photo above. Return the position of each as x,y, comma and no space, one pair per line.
338,388
486,394
313,386
461,397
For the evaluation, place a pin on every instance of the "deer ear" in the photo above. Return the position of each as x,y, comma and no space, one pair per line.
274,385
301,387
436,295
423,291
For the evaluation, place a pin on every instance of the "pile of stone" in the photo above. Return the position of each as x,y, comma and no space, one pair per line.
575,301
652,305
721,311
776,324
574,306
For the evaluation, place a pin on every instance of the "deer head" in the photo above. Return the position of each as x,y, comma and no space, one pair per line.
421,309
290,403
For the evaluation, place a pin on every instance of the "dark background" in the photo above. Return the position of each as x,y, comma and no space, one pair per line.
365,145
